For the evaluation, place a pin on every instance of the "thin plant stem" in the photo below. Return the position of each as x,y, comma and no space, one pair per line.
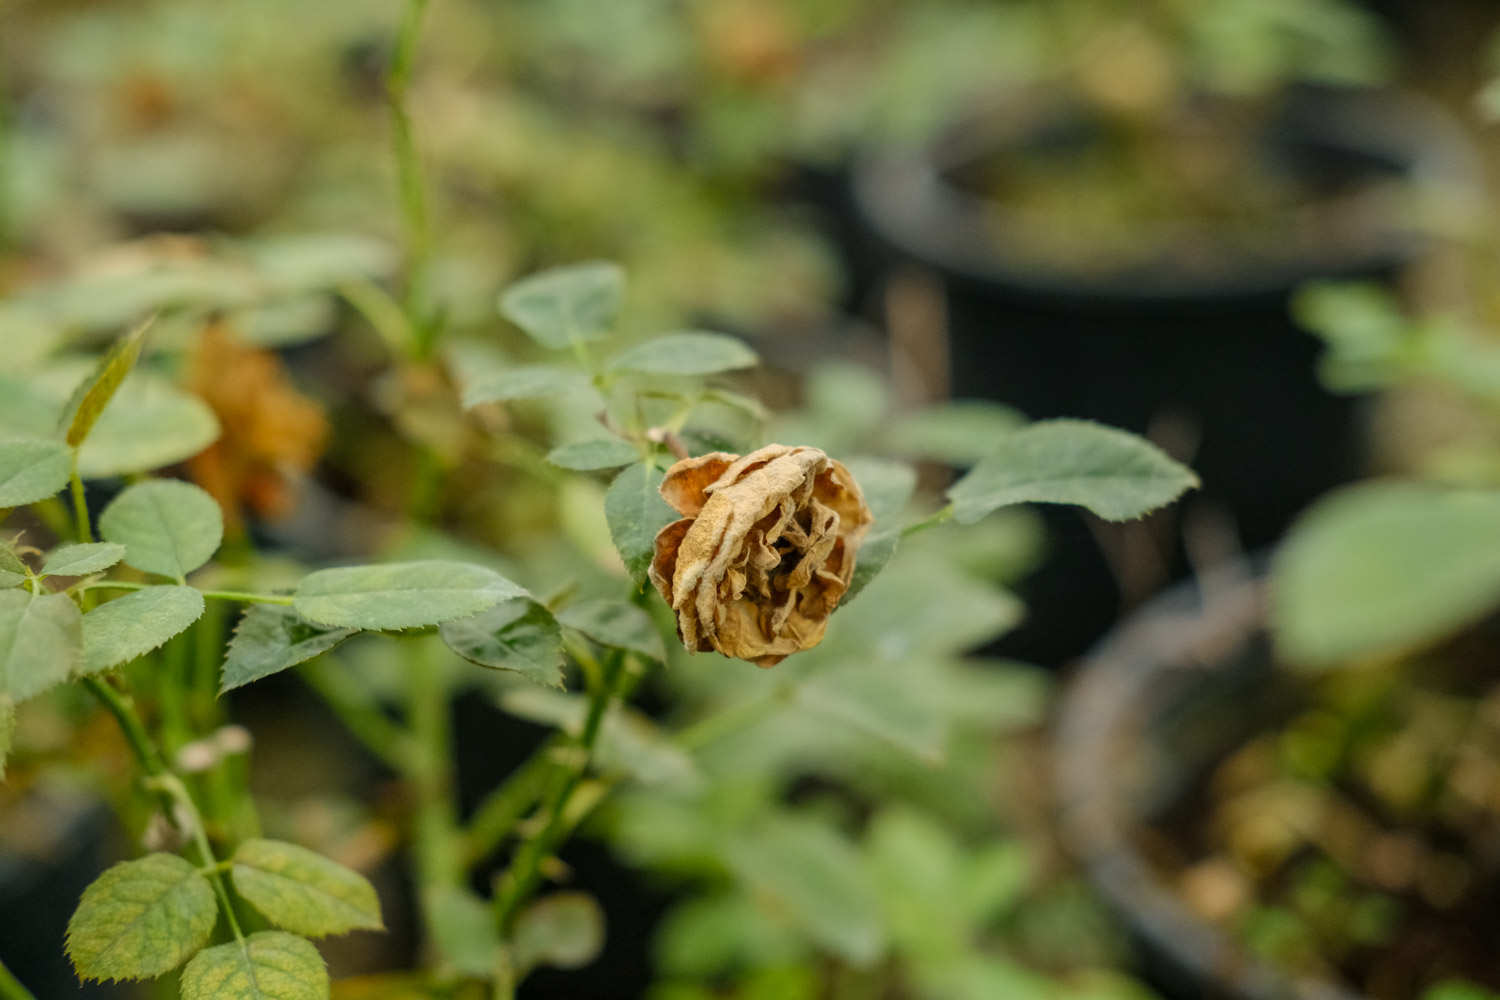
11,988
524,873
409,173
505,807
213,595
80,505
358,710
937,517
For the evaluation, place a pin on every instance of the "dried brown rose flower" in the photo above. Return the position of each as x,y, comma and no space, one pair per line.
764,551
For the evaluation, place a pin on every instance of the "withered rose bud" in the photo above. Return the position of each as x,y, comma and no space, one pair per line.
764,551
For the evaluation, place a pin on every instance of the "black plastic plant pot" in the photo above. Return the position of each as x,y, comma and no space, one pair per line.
1155,705
1195,336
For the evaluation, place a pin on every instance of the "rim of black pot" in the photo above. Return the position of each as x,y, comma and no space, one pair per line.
1195,627
908,199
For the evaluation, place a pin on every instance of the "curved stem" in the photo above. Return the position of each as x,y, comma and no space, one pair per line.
80,505
215,595
937,517
503,808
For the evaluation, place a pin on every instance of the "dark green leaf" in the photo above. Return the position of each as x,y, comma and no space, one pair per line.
615,623
303,892
566,304
269,965
401,595
83,559
134,625
518,635
32,470
140,919
1114,474
588,456
271,638
565,930
95,392
41,642
687,353
636,512
167,526
1384,567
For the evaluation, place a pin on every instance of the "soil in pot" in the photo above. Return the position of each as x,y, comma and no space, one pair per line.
1276,835
1161,296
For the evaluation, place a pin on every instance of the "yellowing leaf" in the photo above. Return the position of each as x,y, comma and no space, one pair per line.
302,891
140,919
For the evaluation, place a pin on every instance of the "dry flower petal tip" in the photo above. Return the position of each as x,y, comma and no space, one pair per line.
764,552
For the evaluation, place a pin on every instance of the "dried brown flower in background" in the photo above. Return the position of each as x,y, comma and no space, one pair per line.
269,429
764,552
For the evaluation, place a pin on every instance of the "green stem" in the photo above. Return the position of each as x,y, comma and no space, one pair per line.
932,520
524,873
409,172
503,808
11,988
164,783
80,505
215,595
435,835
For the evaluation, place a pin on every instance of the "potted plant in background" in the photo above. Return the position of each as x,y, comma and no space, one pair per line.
1310,812
1122,241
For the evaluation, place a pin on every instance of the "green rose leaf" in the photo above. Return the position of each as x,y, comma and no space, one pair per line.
1116,475
960,432
12,569
566,304
148,425
886,486
615,623
32,470
589,456
517,635
141,918
94,393
1384,567
271,638
134,625
81,560
636,512
565,930
687,353
303,892
269,965
522,382
401,595
813,876
168,527
41,642
463,929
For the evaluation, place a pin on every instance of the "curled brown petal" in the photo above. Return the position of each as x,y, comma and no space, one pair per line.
765,550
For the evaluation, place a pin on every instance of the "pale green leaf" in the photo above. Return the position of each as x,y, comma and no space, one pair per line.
690,352
588,456
41,642
1116,475
564,930
140,919
814,878
32,470
303,892
401,595
960,432
134,625
271,638
149,424
1384,567
636,512
517,635
95,392
464,932
566,304
83,559
12,569
269,965
167,526
894,705
522,382
313,261
7,729
615,623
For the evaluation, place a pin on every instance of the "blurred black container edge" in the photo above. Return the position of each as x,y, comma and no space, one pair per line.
55,843
1155,705
1219,355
